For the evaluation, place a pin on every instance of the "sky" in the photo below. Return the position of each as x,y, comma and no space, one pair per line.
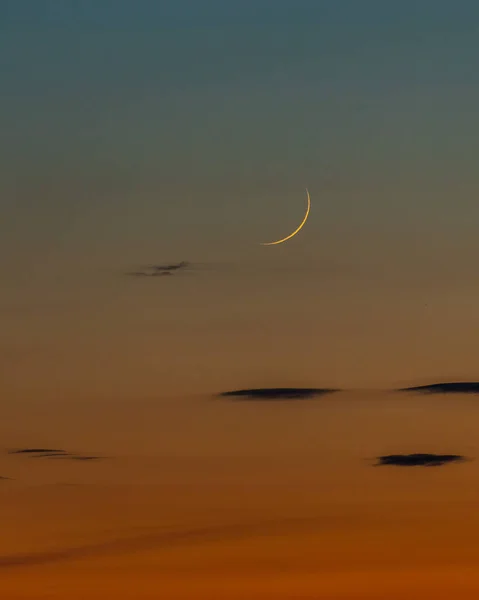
153,132
174,131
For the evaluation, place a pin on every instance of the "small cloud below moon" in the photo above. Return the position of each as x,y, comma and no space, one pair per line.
418,460
271,394
164,270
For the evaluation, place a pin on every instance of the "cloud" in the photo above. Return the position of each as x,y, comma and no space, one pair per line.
171,267
454,387
258,268
5,478
54,454
418,460
277,393
160,270
161,539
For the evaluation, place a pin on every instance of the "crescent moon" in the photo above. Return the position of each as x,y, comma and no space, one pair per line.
297,230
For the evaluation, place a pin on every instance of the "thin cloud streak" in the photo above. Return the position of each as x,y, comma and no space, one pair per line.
161,540
50,453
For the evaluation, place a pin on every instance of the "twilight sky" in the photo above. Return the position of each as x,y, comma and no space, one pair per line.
165,131
140,132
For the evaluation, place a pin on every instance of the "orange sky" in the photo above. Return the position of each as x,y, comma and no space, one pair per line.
246,500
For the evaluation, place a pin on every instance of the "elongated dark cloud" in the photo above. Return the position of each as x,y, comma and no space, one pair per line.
50,453
455,387
276,393
418,460
5,478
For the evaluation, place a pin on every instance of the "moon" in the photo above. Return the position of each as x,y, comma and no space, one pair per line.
297,230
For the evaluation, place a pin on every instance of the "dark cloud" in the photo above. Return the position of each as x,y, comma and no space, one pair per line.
277,393
160,270
171,267
54,454
327,269
418,460
5,478
454,387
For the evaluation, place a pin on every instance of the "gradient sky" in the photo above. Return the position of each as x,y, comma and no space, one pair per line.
181,130
156,131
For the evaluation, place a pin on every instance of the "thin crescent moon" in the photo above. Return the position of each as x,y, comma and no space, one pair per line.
297,230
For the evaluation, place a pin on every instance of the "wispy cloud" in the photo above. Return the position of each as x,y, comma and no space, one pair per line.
159,270
162,539
258,268
50,453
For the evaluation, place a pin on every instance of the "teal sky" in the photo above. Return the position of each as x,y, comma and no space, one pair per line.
196,119
139,132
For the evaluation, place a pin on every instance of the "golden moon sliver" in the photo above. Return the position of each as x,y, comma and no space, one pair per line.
297,230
